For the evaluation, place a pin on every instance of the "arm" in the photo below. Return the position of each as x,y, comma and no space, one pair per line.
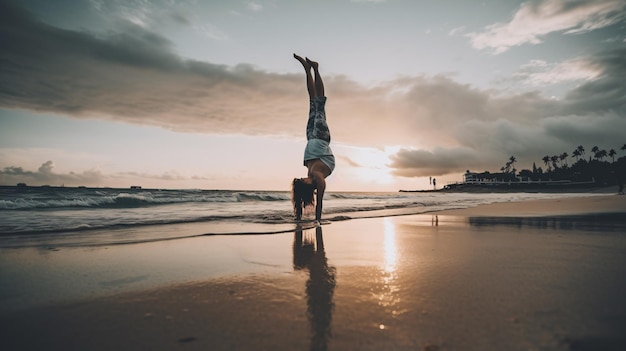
317,172
321,187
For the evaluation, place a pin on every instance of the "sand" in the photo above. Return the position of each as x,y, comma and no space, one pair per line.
540,275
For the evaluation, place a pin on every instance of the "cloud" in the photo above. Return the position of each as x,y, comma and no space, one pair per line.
528,126
146,14
604,129
132,76
423,163
139,13
137,78
254,7
456,31
606,93
45,175
536,19
46,168
487,145
542,73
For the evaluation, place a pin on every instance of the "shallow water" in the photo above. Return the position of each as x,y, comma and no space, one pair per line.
40,216
410,282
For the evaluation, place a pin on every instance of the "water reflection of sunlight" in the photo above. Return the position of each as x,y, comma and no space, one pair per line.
388,296
391,251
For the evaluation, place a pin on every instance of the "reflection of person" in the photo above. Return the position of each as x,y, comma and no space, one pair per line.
318,157
319,288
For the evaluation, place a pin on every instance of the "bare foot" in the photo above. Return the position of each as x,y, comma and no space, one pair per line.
304,63
312,63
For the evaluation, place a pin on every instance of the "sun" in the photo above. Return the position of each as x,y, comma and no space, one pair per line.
370,165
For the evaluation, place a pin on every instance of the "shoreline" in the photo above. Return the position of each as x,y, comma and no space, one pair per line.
520,188
445,280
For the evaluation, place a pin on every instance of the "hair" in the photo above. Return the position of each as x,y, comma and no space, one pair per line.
302,195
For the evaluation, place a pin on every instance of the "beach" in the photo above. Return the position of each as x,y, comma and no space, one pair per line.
544,274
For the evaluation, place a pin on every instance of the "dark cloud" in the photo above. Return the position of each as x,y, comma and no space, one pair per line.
605,129
607,93
421,163
488,129
135,76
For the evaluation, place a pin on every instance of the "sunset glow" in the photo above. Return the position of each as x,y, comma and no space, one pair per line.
207,95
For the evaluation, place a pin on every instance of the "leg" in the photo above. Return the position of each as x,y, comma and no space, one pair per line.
310,85
317,127
319,84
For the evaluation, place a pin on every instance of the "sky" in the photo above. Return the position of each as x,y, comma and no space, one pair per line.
207,95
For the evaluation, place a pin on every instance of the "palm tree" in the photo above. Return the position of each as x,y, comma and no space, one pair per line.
624,147
599,154
612,154
554,160
581,150
563,157
512,161
546,161
576,154
595,149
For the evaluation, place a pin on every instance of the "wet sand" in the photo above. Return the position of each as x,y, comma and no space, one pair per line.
471,279
601,204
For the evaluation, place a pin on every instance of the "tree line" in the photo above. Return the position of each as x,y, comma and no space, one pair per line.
597,165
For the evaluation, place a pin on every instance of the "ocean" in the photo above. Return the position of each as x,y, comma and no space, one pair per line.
67,216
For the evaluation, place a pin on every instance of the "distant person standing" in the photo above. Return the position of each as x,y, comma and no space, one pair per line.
435,183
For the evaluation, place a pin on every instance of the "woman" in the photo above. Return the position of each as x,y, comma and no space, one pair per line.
318,157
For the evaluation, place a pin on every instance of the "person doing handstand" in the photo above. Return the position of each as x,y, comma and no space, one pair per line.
318,157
